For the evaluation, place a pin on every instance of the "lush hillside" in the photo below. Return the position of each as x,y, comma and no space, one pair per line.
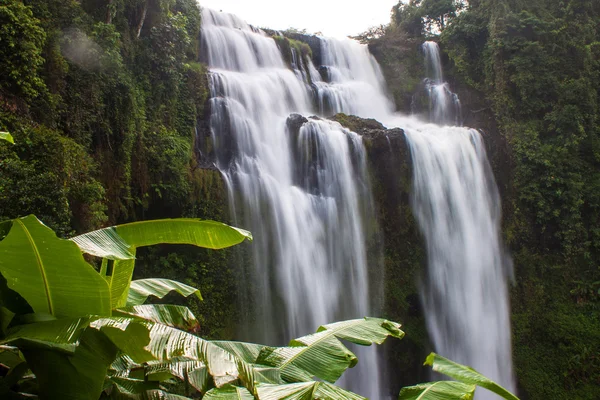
106,100
103,99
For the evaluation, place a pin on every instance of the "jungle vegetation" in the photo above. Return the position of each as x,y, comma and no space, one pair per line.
72,331
105,101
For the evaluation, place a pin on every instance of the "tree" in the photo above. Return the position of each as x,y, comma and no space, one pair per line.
21,43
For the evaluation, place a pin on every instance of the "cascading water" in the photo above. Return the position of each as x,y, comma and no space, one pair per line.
456,203
444,106
306,197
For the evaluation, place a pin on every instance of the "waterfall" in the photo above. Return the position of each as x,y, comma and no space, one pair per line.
444,106
456,203
305,195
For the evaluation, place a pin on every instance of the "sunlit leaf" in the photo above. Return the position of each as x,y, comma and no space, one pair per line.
228,392
321,354
442,390
305,391
466,374
179,317
50,273
140,289
7,136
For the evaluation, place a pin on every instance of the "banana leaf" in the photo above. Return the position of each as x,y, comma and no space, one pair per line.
178,367
153,341
465,374
76,376
442,390
112,243
199,379
50,273
228,392
321,354
141,289
179,317
305,391
60,335
246,351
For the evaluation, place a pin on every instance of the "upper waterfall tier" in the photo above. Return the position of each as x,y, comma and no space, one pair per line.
230,43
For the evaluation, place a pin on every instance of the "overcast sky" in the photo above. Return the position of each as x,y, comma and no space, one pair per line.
337,18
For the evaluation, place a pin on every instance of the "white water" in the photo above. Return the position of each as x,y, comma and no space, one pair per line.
307,200
456,203
304,198
444,106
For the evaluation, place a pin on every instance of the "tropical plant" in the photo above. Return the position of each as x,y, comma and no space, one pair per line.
72,331
66,321
463,387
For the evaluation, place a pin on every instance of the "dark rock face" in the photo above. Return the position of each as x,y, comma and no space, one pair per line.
312,41
295,122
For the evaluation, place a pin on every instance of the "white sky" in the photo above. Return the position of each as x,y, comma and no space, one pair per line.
336,18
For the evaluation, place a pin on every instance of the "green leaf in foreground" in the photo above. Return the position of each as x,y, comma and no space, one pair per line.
50,273
112,243
7,136
442,390
160,342
228,392
140,289
466,374
179,317
321,354
305,391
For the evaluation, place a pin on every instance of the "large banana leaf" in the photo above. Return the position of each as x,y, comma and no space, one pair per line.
199,379
60,335
466,375
322,354
7,136
112,242
162,342
228,392
442,390
305,391
77,376
141,289
50,273
127,386
179,317
178,367
245,351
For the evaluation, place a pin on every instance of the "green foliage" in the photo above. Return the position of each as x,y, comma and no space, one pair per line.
467,379
112,93
21,43
137,350
52,176
55,281
7,136
59,346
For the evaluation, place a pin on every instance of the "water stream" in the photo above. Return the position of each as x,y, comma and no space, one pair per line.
306,197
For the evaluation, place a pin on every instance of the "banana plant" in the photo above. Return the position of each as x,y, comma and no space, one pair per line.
47,287
69,322
466,381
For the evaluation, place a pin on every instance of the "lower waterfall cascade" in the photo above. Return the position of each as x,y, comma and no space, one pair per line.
307,198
